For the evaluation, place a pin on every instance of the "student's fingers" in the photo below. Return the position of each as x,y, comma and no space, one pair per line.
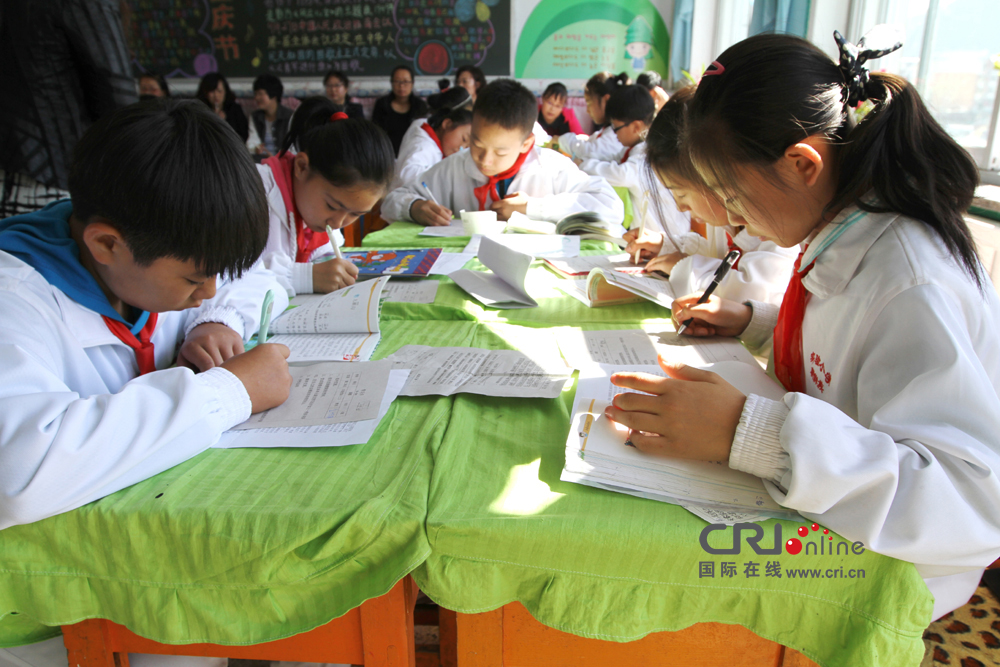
199,357
630,402
631,235
637,421
351,268
652,443
688,373
276,348
214,352
651,384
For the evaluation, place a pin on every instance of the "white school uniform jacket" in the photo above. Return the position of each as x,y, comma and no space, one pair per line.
601,145
77,422
417,153
896,441
282,242
662,209
555,187
762,273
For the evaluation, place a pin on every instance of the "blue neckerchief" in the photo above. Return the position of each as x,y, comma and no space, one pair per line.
42,240
839,229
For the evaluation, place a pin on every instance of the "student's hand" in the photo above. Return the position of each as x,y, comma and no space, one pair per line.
209,345
264,373
649,245
515,201
665,263
692,414
333,274
716,317
430,214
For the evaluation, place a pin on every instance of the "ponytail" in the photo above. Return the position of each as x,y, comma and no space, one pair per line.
344,151
452,104
605,83
771,91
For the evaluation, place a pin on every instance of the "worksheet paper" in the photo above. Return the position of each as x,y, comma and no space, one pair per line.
456,228
581,266
504,288
636,346
353,310
536,245
330,435
443,371
597,454
449,262
327,393
410,291
312,348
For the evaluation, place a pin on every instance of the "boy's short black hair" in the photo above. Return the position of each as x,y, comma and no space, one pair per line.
507,103
270,84
176,181
556,90
630,103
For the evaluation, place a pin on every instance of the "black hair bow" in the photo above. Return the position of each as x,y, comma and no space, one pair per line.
853,58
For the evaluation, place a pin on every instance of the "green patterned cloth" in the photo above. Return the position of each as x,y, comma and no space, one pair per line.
246,546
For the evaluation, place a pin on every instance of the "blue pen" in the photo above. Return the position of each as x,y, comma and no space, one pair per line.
433,198
265,317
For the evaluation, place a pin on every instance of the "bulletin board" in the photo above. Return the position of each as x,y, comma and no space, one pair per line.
573,39
244,38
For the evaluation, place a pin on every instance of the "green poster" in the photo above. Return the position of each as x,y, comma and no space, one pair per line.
573,39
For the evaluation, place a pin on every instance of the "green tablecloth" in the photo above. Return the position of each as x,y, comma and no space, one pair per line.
245,546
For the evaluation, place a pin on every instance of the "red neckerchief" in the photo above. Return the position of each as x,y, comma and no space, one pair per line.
426,127
788,364
142,346
731,247
307,239
625,157
490,188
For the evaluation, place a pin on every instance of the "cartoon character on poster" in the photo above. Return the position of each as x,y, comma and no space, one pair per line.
638,42
377,258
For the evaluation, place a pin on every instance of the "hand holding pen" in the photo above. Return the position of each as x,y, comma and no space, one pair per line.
681,305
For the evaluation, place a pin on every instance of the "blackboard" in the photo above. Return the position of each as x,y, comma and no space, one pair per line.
244,38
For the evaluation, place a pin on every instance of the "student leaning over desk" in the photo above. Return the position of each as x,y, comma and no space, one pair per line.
101,294
603,144
504,171
887,339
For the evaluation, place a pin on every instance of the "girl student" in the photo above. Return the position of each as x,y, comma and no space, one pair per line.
602,144
430,140
763,270
630,112
886,340
342,168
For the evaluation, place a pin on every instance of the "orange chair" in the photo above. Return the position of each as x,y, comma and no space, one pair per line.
379,633
511,637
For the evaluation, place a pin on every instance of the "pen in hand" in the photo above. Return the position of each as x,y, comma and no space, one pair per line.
720,273
333,241
265,317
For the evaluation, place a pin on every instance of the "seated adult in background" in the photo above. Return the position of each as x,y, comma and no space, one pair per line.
61,69
652,81
396,111
270,121
337,85
553,114
152,84
471,78
214,90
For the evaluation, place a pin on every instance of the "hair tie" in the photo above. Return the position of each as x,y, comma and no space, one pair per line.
340,115
853,58
719,69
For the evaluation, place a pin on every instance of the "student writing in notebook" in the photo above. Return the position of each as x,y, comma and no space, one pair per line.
342,168
102,293
630,111
887,338
764,267
503,171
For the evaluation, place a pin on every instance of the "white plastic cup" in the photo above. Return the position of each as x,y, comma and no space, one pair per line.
482,222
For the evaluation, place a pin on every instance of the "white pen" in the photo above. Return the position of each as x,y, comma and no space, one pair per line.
333,242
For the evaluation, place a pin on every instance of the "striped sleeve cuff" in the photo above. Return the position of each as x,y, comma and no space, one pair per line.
761,328
302,277
757,446
226,315
229,403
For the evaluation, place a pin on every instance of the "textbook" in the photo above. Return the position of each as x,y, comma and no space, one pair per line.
586,225
412,262
339,326
610,287
598,453
572,267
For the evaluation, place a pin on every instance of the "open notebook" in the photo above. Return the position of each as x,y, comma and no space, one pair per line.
339,326
596,453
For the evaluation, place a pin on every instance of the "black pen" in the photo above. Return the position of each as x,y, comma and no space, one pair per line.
720,273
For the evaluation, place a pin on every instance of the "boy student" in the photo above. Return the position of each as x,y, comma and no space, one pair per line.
100,291
269,123
503,171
